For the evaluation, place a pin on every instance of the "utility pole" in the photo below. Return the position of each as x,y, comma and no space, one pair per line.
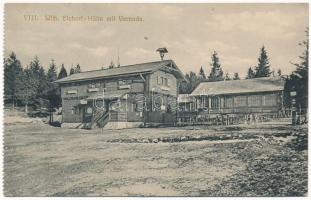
293,101
26,104
118,61
13,103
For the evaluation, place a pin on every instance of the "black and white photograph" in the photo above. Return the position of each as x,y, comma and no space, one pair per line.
155,99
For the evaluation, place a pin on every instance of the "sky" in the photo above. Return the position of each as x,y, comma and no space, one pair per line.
190,32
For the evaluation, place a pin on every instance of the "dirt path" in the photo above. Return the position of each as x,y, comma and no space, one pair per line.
45,161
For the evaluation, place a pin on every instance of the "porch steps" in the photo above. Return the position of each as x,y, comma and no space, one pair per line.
103,120
80,125
99,120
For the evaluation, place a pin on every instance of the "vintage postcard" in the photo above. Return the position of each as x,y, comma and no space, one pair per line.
156,100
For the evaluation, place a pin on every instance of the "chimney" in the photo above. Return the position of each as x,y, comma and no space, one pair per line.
162,51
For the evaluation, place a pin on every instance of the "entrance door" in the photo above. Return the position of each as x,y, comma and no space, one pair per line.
87,113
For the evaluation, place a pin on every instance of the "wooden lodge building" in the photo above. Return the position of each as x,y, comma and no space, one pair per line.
147,93
233,98
121,97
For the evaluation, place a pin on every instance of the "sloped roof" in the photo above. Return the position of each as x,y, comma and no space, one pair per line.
122,70
240,86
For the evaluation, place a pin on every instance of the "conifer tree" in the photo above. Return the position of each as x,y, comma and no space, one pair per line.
52,74
216,73
250,73
202,75
263,67
194,80
35,66
236,76
62,72
52,91
279,72
185,86
227,77
72,71
34,74
37,77
29,91
112,65
30,86
299,78
34,82
43,82
13,73
77,69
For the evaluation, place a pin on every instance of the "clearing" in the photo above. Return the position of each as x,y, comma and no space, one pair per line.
256,160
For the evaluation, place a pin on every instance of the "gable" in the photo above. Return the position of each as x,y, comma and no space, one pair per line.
172,69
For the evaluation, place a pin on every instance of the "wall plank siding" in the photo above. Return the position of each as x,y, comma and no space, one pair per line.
244,103
157,86
138,88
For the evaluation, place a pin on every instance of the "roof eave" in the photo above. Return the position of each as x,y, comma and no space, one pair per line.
179,75
211,94
101,77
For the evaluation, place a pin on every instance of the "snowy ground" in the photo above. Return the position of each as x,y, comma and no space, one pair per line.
257,160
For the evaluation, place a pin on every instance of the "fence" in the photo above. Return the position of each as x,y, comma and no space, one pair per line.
159,117
205,118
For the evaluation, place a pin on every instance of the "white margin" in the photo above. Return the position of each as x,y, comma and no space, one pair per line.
2,13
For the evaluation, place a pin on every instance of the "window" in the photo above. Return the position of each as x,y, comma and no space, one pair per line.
254,100
165,82
169,108
121,82
103,84
215,102
124,82
202,102
270,100
228,102
240,101
75,110
162,81
135,107
92,85
205,102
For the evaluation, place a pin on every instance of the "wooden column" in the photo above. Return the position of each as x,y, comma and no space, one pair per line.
209,103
